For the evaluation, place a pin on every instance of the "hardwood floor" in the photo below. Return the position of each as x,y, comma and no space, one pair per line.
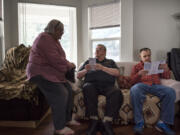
46,128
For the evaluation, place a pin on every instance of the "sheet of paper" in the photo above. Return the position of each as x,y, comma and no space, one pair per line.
153,67
92,63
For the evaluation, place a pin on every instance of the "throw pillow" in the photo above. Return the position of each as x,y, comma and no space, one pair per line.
124,82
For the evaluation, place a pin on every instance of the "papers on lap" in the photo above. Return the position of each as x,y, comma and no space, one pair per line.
153,67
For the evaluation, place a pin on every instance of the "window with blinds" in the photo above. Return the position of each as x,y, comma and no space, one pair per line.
105,28
105,16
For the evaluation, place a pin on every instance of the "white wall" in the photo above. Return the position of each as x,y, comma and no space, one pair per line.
154,26
126,30
85,49
1,29
0,8
1,41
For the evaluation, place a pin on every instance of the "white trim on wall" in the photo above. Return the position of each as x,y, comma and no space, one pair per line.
126,30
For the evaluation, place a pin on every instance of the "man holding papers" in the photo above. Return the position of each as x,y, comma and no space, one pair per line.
145,78
99,78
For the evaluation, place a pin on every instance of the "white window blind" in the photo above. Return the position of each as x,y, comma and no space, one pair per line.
105,16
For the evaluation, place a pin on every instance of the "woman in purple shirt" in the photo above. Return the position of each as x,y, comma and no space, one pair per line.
47,67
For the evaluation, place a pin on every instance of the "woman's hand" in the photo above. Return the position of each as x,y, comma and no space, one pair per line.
72,65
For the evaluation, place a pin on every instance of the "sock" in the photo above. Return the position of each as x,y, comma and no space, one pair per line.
94,117
107,119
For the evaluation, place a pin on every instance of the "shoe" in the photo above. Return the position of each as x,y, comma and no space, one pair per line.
138,128
106,128
101,129
93,127
162,127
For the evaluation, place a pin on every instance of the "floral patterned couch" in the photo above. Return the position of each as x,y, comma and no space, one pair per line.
151,107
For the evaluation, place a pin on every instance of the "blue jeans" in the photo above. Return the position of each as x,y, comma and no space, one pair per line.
166,95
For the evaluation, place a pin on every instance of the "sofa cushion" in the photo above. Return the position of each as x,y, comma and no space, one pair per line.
173,84
121,70
127,67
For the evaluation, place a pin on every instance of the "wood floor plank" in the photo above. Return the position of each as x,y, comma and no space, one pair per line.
46,128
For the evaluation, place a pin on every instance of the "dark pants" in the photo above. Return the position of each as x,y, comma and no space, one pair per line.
113,96
59,97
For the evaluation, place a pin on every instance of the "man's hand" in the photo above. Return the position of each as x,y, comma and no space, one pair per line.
99,67
142,72
88,67
164,66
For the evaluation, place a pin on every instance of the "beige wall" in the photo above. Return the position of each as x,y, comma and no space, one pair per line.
154,26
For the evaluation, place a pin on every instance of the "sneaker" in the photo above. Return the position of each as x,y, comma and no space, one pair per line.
138,128
162,127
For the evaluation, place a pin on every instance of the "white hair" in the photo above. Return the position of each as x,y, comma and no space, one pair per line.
53,25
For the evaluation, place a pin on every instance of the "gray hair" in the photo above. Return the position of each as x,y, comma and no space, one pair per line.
54,25
104,47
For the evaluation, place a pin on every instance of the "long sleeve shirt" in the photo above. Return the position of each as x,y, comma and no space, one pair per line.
47,58
147,79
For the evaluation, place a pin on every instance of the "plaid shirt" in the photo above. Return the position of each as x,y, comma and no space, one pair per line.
147,79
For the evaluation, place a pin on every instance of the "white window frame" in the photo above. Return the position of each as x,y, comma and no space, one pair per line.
72,31
103,39
91,40
2,45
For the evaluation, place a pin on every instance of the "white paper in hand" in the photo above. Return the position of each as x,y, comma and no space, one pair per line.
161,62
92,63
153,67
147,66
